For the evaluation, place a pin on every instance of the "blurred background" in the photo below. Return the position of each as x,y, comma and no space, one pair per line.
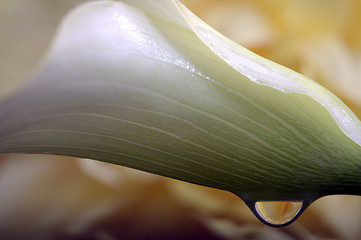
50,197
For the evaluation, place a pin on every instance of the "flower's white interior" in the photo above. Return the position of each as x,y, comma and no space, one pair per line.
254,67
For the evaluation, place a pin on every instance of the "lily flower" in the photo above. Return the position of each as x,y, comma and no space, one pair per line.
148,85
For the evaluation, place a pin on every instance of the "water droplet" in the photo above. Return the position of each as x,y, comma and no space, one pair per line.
278,213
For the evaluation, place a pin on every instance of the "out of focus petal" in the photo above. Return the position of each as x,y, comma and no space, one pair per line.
26,29
116,176
44,194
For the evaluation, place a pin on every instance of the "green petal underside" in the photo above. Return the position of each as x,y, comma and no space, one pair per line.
145,89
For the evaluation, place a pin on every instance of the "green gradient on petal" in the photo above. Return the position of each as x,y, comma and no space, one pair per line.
142,89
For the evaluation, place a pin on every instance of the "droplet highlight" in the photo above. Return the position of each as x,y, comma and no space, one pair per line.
278,213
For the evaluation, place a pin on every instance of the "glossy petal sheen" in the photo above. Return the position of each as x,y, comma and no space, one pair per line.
146,84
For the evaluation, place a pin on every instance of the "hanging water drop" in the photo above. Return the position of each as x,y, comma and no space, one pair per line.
278,213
